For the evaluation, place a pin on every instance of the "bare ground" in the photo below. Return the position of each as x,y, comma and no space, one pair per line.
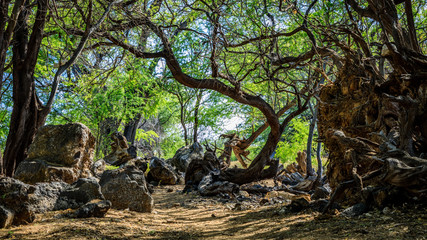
189,216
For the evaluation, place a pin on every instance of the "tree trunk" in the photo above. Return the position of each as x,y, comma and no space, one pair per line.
27,114
196,115
183,125
130,129
310,141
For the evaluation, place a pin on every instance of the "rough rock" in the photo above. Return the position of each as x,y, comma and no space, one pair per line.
126,188
93,209
199,168
161,172
6,217
98,167
23,201
45,196
139,163
185,155
210,186
58,153
121,153
321,192
79,193
355,210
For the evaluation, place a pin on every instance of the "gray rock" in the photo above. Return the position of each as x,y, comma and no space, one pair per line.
321,192
210,186
161,172
98,167
58,153
199,168
79,193
93,209
139,163
185,155
45,196
299,204
355,210
6,217
126,188
15,197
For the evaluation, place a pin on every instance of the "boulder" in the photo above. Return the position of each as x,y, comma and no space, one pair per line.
20,202
6,217
199,168
321,192
211,186
98,167
58,153
93,209
45,196
139,163
161,172
121,153
185,155
79,193
126,188
355,210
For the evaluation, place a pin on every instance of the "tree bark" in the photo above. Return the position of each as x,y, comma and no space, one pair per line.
130,129
27,114
196,115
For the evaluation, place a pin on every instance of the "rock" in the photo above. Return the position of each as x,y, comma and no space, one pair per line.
299,205
321,192
121,153
6,217
126,188
45,196
138,163
93,209
210,186
79,193
15,198
255,188
161,172
24,200
355,210
98,167
185,155
58,153
199,168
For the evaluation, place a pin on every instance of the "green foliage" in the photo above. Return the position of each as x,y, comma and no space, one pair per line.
148,136
295,139
111,167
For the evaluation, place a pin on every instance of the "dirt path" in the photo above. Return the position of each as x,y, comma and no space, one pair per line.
189,216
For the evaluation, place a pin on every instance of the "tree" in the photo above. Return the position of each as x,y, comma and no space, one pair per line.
237,69
29,113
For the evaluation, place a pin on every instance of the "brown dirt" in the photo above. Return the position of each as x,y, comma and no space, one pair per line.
189,216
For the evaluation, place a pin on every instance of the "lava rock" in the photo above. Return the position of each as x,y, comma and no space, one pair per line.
210,186
126,188
58,153
185,155
161,172
79,193
6,217
355,210
93,209
98,167
321,192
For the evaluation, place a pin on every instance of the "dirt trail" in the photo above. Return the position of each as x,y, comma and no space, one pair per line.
189,216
